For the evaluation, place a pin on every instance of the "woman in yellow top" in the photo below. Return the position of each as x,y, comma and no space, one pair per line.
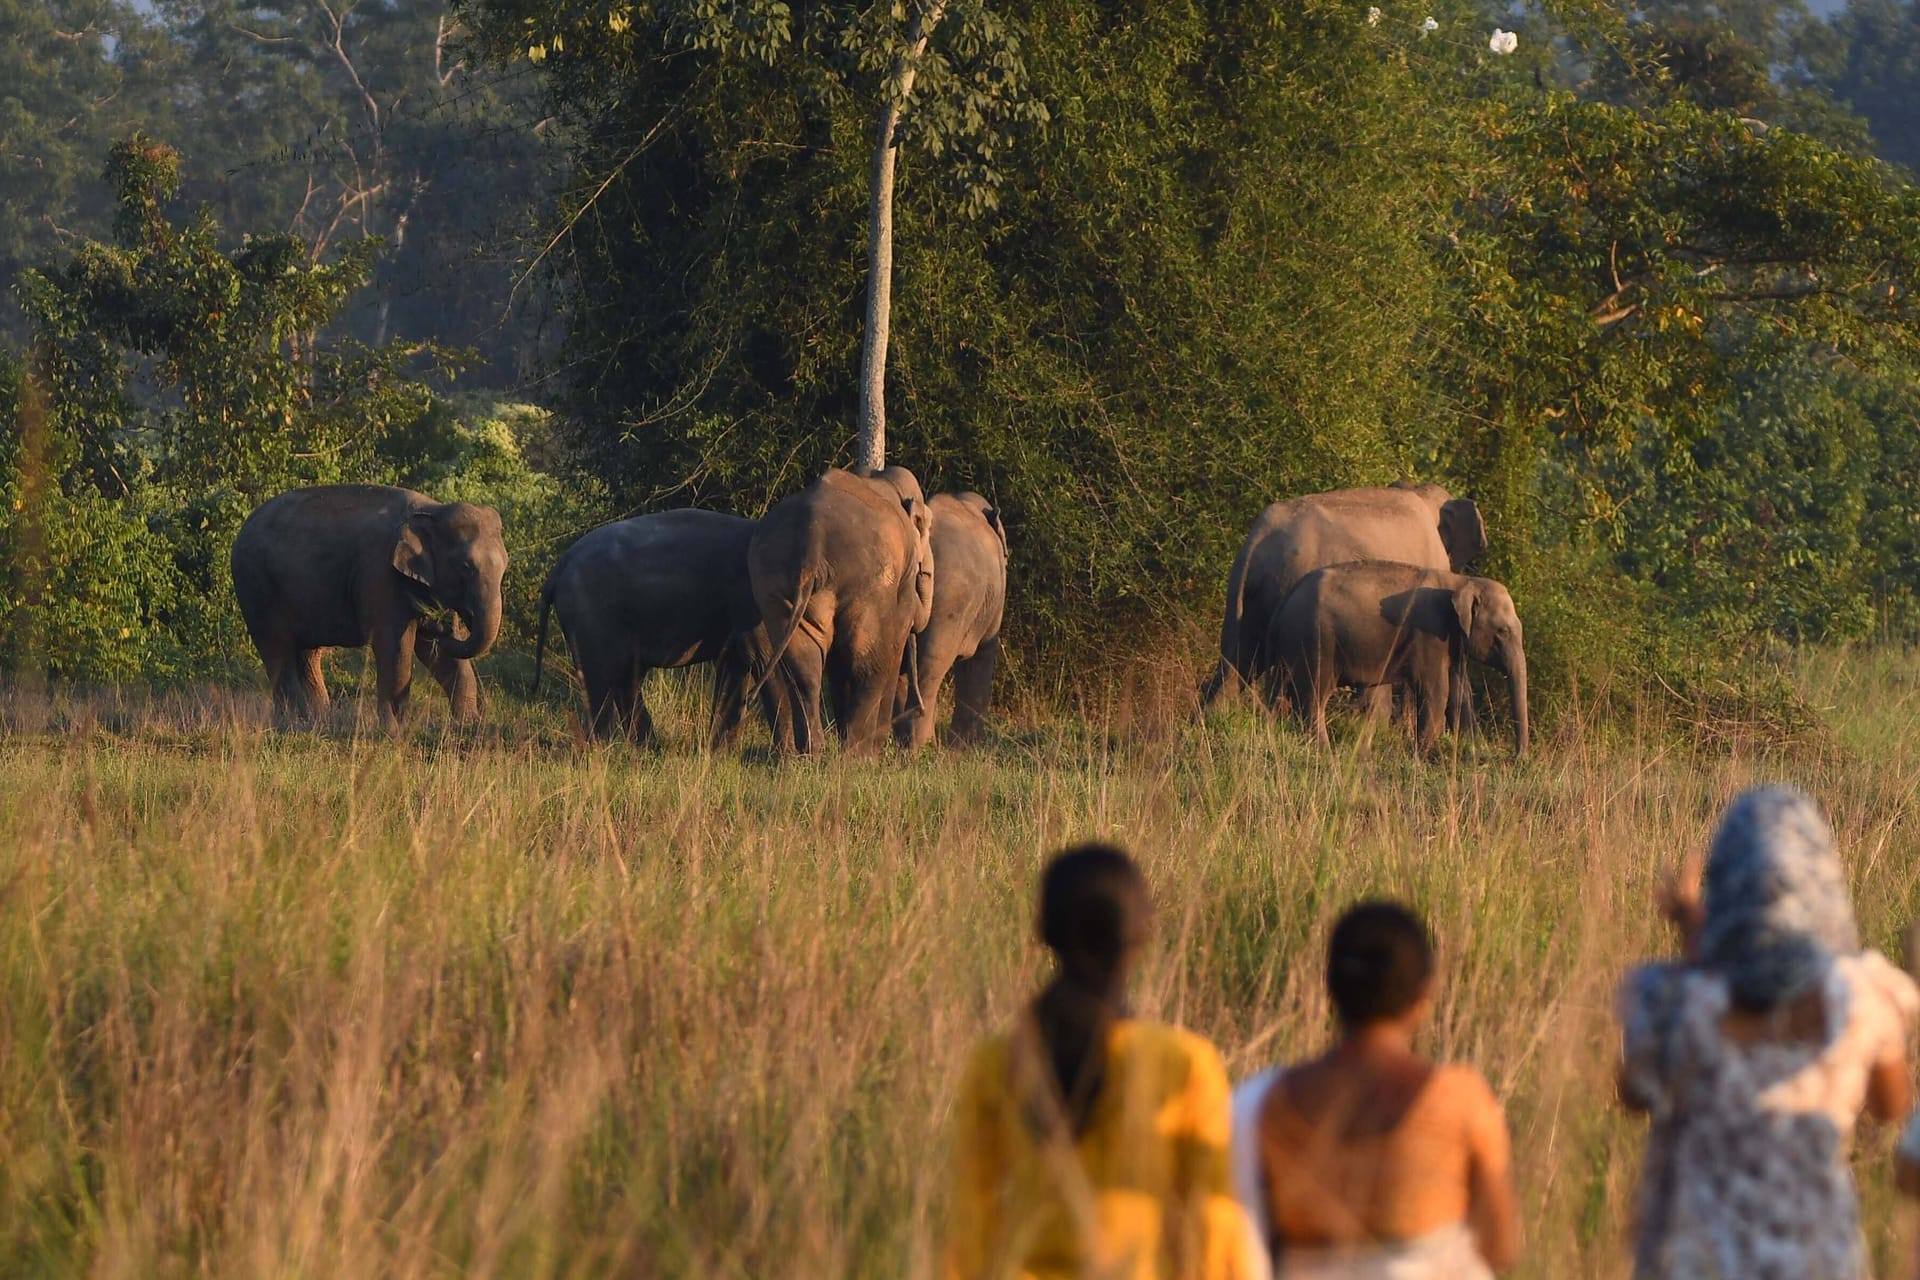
1090,1143
1370,1162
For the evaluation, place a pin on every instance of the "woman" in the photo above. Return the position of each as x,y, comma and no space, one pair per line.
1754,1056
1370,1160
1091,1143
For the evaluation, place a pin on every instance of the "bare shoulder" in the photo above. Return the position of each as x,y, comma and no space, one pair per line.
1873,977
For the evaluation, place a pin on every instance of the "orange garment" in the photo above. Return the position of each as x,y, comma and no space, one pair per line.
1327,1187
1143,1194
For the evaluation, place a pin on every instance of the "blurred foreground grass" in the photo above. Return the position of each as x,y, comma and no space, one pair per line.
491,1004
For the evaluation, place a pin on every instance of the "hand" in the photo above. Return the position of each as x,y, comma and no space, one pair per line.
1679,900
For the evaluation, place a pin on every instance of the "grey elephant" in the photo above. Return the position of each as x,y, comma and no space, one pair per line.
1416,524
962,634
842,573
663,590
1368,625
341,566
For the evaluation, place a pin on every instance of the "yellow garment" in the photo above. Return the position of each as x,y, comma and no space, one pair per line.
1143,1194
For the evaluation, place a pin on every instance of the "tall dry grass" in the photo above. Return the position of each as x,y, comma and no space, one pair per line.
493,1005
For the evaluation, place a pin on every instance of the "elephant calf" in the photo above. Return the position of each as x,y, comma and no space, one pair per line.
963,631
1417,524
340,566
1367,625
663,590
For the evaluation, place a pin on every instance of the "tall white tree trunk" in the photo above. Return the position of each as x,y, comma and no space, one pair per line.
873,346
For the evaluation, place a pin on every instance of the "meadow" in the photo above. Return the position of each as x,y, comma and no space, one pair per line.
498,1004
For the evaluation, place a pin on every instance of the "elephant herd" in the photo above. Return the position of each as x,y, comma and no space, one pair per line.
860,590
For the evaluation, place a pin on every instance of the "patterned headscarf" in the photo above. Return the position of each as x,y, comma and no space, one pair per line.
1777,908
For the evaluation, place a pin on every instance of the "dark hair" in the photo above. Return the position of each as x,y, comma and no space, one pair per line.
1094,913
1379,961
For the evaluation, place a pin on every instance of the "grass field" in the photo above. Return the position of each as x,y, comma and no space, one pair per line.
495,1005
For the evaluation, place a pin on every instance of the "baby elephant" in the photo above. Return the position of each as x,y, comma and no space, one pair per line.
1368,624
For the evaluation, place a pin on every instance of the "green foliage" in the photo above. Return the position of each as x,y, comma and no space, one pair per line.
501,454
173,386
1872,64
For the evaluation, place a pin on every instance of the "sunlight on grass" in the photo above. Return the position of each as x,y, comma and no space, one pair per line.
490,1003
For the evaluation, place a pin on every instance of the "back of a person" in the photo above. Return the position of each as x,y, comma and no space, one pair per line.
1112,1202
1088,1143
1393,1176
1747,1158
1755,1055
1370,1162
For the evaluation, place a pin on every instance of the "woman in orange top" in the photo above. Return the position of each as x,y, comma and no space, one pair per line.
1370,1161
1088,1142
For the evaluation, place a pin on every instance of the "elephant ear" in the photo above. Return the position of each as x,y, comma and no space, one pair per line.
1462,532
410,555
1466,600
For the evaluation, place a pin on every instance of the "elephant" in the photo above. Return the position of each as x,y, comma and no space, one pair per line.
340,566
663,590
1370,624
843,575
1417,524
963,632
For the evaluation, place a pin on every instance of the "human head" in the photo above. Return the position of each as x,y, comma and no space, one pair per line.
1095,913
1777,907
1379,964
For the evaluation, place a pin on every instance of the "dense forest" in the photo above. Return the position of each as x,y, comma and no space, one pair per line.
1639,278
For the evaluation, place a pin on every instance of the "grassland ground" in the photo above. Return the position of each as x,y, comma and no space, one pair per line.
494,1004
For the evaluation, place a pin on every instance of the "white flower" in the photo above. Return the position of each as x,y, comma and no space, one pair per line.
1429,25
1503,42
1373,17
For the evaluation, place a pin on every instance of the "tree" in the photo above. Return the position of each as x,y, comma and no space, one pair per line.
1876,71
365,121
962,55
77,74
172,385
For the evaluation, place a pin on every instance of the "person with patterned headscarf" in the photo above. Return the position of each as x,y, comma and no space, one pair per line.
1754,1056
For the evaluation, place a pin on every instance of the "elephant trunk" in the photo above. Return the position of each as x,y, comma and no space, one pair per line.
482,621
1517,677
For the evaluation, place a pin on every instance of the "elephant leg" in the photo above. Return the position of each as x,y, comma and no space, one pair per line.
1429,705
839,679
456,676
972,691
867,698
311,683
299,690
1376,704
393,673
867,680
638,719
1460,717
916,729
731,678
752,650
802,671
1312,689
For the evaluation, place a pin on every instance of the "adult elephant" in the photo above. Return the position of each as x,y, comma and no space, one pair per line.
843,575
962,634
341,566
1417,524
1372,625
663,590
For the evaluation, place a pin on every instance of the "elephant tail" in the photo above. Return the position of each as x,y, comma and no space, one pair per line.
802,593
1233,656
540,638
